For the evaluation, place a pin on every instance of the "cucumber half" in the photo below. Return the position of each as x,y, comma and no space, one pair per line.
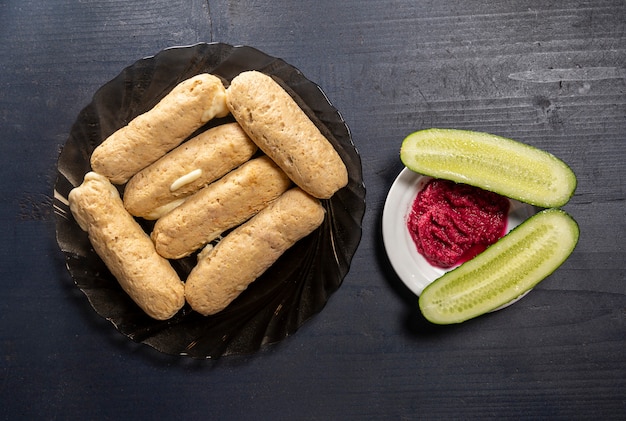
491,162
504,271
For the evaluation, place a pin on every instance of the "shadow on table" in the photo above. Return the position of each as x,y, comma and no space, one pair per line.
414,322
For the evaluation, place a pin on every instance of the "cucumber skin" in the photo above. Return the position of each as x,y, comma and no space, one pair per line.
429,311
494,183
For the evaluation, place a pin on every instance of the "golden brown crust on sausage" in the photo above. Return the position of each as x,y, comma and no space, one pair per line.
218,207
245,253
186,169
125,248
150,135
280,128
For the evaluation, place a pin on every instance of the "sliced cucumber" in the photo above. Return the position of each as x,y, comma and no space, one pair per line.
494,163
507,269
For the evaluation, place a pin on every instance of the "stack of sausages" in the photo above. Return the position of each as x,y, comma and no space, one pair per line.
259,179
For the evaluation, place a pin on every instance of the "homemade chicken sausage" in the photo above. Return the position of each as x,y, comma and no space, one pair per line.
163,185
218,207
125,248
149,136
280,128
248,251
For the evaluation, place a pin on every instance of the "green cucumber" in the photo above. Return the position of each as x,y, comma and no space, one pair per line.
504,271
491,162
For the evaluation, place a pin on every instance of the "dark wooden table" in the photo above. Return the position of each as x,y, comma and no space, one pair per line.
550,74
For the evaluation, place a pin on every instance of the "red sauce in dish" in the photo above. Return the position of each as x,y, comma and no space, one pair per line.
451,222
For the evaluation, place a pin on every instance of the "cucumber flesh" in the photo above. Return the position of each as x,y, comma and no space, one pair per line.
504,271
491,162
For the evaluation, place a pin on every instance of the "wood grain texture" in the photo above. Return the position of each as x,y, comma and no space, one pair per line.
550,74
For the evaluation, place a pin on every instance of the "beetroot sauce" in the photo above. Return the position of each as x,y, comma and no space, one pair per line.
451,223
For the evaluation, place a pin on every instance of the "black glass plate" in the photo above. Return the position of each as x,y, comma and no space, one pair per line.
294,289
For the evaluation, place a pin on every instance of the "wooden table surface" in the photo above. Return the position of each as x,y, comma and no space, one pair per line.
550,74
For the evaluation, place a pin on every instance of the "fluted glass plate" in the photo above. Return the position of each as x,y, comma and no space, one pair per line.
290,292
